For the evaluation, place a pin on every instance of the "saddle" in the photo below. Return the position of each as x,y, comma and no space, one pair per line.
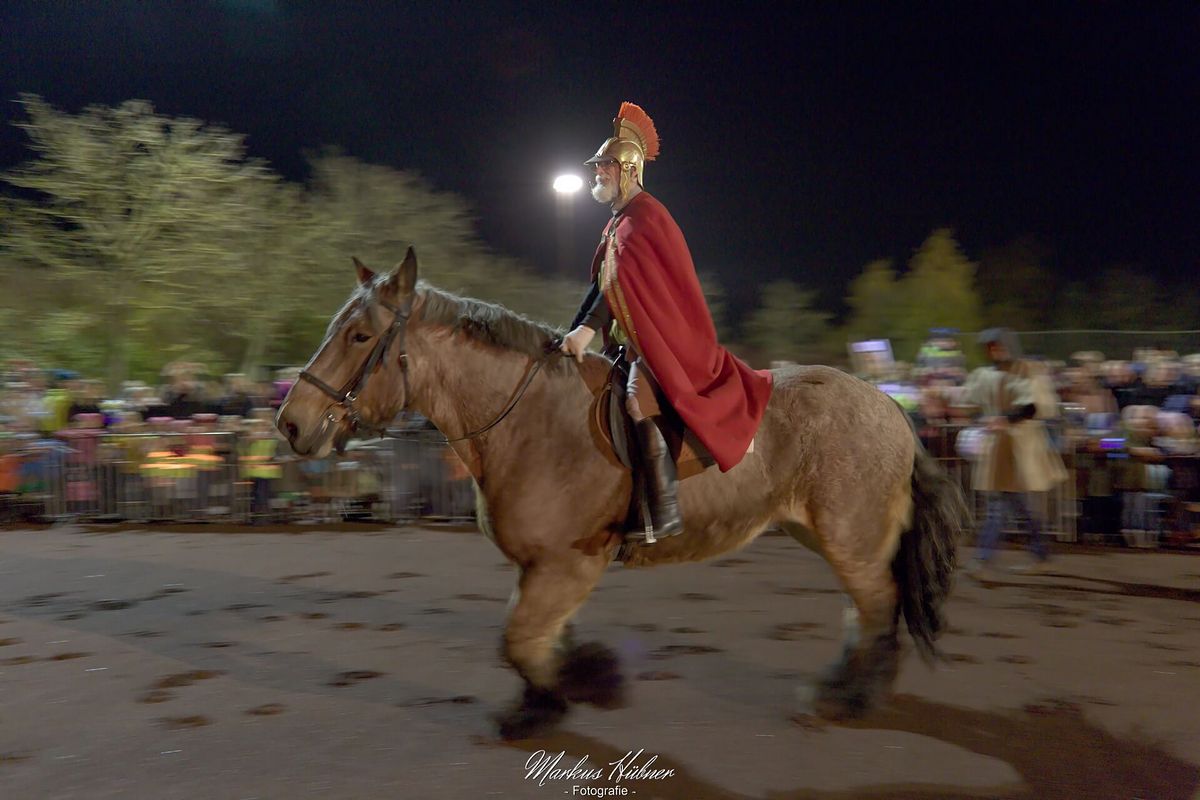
614,428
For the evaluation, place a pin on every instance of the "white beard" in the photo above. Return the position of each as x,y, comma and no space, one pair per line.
604,193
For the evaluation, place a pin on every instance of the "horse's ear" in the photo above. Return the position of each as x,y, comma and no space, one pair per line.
406,273
365,275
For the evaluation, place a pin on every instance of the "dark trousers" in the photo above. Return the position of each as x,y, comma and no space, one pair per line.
261,501
641,392
999,505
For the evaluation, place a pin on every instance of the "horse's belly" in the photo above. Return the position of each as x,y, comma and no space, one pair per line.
721,512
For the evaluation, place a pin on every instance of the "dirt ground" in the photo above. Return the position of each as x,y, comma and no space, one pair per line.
364,664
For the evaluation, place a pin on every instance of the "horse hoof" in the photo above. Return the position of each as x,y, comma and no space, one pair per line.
837,699
539,712
839,709
591,674
862,680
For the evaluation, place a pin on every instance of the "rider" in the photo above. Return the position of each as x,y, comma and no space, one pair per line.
645,296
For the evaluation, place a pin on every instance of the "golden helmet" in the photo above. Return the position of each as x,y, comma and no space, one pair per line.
634,141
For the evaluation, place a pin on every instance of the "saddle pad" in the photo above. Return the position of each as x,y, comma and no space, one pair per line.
616,427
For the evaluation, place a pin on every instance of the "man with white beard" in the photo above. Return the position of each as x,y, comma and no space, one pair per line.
646,298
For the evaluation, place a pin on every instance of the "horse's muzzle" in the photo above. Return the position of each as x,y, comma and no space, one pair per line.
316,442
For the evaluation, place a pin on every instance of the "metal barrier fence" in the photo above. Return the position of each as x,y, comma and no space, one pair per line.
243,478
93,476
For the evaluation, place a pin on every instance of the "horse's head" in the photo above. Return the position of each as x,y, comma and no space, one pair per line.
358,378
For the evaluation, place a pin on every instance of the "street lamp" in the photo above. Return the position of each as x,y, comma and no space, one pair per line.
568,184
565,188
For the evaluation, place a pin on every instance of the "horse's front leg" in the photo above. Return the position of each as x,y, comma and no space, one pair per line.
554,670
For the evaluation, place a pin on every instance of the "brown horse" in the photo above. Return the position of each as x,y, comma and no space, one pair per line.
835,463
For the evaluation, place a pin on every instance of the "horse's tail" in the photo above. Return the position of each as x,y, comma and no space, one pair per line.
924,564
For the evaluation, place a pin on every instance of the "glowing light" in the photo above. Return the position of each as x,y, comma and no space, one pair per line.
568,184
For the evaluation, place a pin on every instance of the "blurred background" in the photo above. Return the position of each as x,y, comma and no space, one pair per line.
182,186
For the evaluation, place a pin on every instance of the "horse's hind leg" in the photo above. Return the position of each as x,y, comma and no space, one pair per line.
534,644
870,660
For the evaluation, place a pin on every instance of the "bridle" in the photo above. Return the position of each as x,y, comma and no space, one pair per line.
350,391
345,397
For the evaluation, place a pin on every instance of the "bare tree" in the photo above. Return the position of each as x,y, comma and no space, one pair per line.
112,199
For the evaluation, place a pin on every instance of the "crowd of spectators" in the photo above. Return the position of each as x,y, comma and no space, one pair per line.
194,448
36,400
1127,428
184,431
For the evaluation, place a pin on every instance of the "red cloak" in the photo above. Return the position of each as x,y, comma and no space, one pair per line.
652,290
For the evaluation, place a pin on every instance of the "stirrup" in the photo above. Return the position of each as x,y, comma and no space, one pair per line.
646,535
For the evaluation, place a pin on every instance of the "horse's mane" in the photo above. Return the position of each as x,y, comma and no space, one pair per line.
490,324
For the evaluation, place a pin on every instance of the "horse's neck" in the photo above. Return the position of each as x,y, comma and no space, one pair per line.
460,387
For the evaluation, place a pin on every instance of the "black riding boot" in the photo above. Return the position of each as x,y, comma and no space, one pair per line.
660,478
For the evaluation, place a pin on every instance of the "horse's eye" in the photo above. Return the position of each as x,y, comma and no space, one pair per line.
361,337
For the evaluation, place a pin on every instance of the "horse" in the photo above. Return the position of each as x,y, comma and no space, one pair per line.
835,463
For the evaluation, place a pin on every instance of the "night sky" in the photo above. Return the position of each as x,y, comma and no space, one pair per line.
799,141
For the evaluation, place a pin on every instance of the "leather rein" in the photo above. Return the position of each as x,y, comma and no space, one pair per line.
350,391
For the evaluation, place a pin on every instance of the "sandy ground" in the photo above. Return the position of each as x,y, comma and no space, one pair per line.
363,664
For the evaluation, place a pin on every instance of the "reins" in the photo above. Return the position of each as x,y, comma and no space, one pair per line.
537,367
351,390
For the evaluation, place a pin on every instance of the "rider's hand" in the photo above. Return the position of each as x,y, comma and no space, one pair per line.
576,342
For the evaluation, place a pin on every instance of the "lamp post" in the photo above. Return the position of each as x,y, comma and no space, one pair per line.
565,188
568,184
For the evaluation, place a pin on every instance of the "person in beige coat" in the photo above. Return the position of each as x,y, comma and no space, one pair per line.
1017,457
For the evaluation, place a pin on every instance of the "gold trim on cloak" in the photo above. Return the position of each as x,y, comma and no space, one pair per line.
610,285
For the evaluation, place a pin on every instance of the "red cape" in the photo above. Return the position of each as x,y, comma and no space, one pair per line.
656,298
